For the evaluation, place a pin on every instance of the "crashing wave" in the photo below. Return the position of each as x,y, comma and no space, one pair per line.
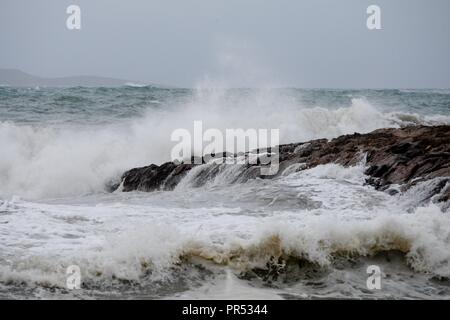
154,254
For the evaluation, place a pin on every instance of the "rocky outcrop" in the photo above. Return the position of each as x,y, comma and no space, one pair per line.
393,156
154,177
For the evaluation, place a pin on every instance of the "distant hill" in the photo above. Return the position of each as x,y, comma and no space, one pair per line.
17,78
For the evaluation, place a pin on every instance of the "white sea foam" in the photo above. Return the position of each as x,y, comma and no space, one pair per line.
131,254
135,85
117,238
39,162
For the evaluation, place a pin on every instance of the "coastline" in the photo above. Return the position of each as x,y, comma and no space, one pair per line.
395,159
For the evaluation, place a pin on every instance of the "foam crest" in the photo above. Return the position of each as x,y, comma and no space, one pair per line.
66,160
149,253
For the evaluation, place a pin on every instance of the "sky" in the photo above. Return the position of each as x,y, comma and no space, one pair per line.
252,43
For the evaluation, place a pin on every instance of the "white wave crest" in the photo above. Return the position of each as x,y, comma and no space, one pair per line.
40,162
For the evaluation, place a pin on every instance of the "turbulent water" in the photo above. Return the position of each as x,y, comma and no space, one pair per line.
306,234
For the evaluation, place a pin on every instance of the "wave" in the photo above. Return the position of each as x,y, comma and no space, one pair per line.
156,243
47,161
155,253
136,85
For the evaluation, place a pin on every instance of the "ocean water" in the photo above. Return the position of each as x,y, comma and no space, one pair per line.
306,235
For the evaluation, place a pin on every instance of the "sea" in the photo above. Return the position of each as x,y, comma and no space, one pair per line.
312,234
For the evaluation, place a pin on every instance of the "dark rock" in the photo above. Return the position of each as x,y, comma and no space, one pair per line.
154,177
393,156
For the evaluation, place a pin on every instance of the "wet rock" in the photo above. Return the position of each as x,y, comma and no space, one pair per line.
393,156
153,177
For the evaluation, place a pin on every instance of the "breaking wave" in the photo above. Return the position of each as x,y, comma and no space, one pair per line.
41,161
154,253
322,219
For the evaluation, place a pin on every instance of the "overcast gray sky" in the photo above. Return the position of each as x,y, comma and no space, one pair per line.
303,43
